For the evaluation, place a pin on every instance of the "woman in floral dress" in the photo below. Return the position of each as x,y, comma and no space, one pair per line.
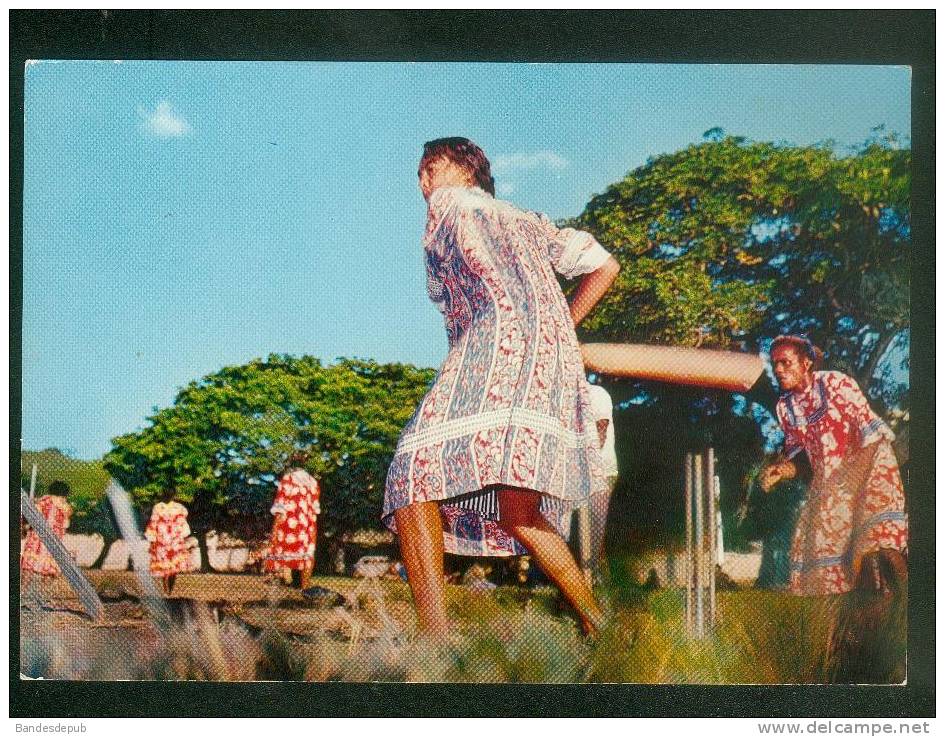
504,446
36,559
168,534
852,530
294,528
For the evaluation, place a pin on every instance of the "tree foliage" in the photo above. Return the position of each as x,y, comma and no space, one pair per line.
225,440
727,242
84,481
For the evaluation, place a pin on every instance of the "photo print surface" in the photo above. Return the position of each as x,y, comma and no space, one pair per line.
465,372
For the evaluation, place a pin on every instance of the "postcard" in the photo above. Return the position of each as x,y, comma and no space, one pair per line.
465,372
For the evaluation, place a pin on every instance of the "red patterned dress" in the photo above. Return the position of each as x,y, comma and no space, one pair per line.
510,405
36,558
855,504
294,532
167,532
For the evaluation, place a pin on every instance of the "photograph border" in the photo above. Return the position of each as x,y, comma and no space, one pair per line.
771,37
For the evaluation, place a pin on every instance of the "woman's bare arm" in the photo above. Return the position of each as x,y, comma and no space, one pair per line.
593,286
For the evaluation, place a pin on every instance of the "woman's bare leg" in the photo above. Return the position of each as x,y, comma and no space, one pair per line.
599,507
421,546
898,568
883,570
522,518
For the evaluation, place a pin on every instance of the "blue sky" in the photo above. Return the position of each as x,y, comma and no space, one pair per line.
184,216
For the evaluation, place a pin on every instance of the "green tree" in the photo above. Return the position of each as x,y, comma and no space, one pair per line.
227,437
86,482
728,242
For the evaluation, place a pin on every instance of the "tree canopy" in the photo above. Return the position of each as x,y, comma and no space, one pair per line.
83,482
728,242
227,437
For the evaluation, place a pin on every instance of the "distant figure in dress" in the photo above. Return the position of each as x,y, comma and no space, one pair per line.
505,445
295,513
168,535
36,559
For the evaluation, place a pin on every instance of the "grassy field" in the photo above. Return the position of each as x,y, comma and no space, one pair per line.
238,627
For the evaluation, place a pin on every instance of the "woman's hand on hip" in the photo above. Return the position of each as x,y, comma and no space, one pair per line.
593,286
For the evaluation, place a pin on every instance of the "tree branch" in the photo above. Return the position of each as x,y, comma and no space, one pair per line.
866,375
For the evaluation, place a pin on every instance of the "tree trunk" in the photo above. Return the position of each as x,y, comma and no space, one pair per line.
865,376
101,556
763,393
204,554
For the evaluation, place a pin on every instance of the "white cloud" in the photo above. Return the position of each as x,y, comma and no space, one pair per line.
504,188
505,163
164,121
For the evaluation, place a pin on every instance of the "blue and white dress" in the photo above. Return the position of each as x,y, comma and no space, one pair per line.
510,405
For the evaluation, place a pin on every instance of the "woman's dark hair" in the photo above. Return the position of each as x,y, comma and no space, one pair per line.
296,459
59,488
463,153
802,347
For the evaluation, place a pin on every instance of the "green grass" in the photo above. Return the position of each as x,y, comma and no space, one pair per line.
760,638
514,635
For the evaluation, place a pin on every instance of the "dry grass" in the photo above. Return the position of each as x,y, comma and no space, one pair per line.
509,635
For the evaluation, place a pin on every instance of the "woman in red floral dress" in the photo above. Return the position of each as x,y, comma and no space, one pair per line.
852,531
36,558
294,527
168,533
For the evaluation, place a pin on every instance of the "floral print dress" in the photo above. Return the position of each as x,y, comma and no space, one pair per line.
36,557
510,405
168,533
294,531
855,504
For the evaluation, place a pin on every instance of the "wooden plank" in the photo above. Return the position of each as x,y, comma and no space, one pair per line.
710,530
87,594
699,543
690,601
704,367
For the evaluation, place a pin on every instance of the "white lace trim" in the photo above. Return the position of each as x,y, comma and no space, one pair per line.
516,416
581,255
